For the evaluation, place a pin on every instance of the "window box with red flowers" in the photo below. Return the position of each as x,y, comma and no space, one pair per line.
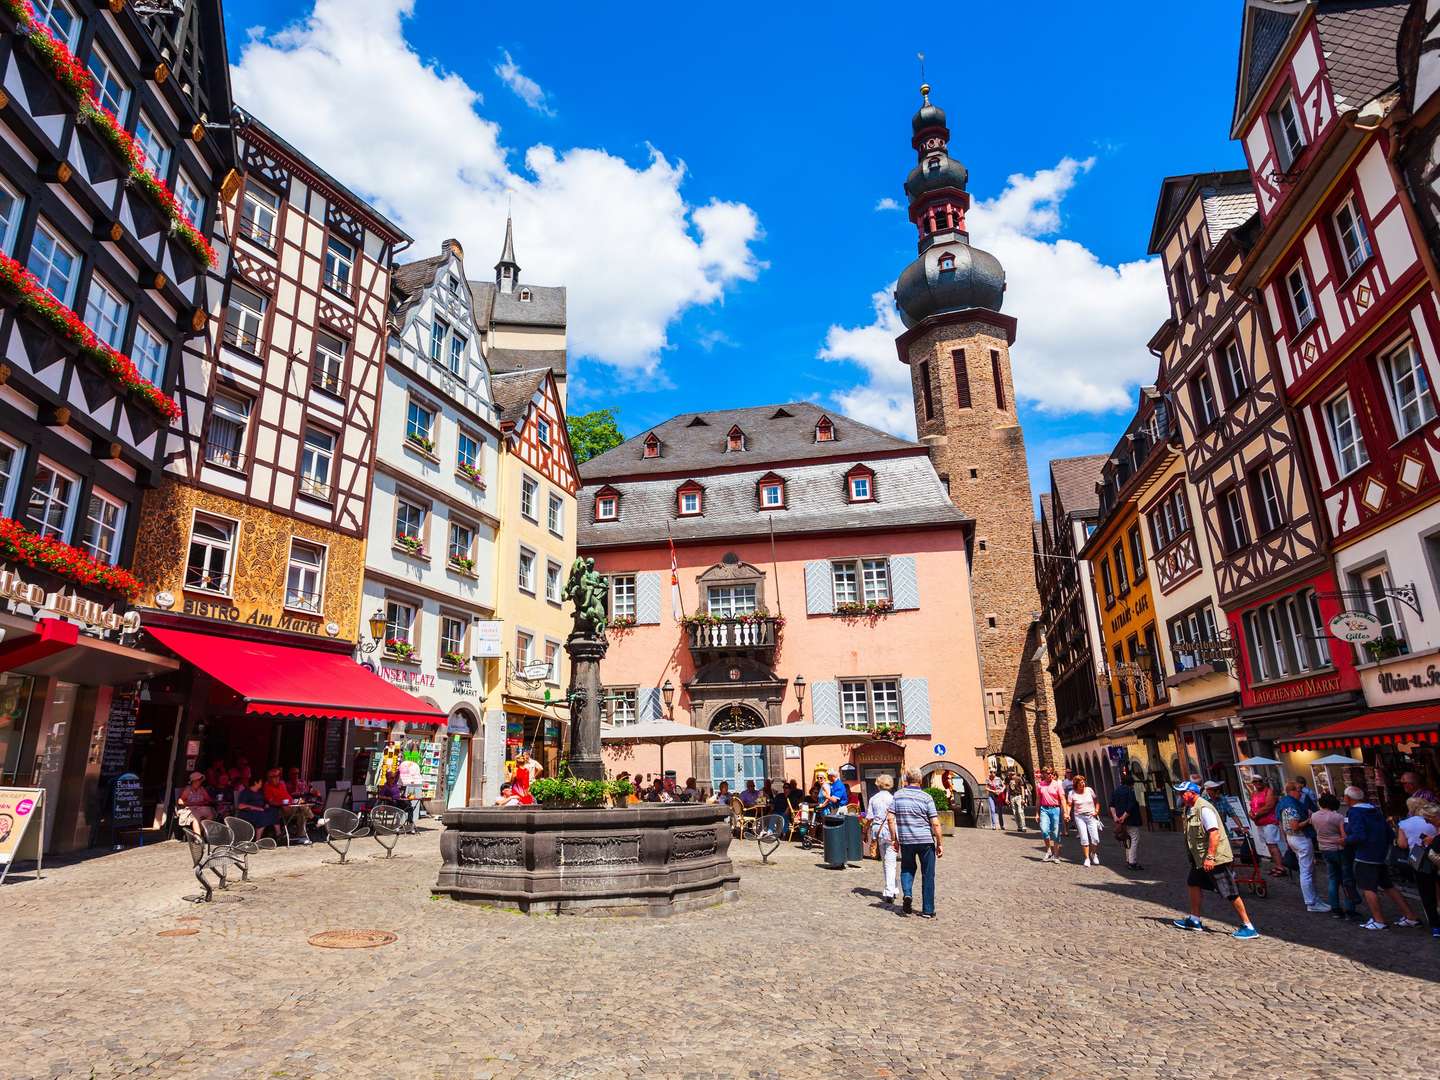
470,474
19,545
455,661
399,649
411,545
853,609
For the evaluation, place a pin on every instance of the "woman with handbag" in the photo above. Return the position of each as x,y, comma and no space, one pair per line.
884,844
1419,837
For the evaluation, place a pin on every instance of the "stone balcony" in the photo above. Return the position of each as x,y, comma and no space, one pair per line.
738,635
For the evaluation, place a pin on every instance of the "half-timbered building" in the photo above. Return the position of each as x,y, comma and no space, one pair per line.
109,169
1354,324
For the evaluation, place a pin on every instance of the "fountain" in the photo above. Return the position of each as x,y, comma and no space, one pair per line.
651,859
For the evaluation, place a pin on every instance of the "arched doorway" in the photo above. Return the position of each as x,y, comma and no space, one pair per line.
735,763
965,812
460,763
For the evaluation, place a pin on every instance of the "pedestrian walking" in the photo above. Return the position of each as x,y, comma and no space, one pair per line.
1294,814
1263,801
1212,863
1368,834
1050,799
1329,825
1067,782
887,845
1085,812
915,823
1015,800
1417,836
995,792
1125,812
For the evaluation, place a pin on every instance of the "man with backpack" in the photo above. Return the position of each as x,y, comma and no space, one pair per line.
1368,835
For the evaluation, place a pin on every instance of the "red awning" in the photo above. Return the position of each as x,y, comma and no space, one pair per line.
283,680
1418,724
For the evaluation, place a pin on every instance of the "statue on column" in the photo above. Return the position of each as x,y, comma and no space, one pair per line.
586,588
586,645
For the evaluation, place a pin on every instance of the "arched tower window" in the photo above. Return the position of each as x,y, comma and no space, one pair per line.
947,263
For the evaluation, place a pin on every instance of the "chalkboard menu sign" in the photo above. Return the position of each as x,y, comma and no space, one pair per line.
334,744
119,733
125,809
1159,808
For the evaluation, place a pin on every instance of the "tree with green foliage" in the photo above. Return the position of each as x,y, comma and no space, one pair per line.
594,432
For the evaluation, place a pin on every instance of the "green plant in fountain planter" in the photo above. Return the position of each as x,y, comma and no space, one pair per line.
942,801
563,791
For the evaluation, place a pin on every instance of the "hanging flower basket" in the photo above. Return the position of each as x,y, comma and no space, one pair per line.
19,545
41,302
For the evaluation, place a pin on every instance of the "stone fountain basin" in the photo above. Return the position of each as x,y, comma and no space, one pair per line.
651,860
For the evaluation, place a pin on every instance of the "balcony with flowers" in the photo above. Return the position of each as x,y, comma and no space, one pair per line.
753,632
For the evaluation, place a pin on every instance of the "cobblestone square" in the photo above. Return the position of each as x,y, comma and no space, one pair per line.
1031,970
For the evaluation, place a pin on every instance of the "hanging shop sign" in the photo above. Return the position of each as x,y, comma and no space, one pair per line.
22,824
1356,627
486,638
97,616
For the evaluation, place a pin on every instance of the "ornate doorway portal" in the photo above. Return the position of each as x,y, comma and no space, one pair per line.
731,762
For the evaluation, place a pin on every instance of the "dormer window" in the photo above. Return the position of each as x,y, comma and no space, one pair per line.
771,491
652,446
947,263
690,500
607,504
932,165
735,440
452,284
860,484
824,430
1285,129
525,296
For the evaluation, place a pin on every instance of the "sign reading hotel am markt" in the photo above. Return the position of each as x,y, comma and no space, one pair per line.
1355,627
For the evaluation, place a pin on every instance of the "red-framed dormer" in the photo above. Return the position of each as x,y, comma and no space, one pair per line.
607,504
690,499
651,446
860,484
771,493
824,430
734,440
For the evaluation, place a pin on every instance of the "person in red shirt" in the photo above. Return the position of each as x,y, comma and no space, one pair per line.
1050,799
290,809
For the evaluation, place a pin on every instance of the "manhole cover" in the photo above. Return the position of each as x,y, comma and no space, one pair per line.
183,931
351,939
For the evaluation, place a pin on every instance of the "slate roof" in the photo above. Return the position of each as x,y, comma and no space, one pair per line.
771,440
546,306
408,282
1269,31
501,361
1359,38
1074,479
907,493
1227,208
512,392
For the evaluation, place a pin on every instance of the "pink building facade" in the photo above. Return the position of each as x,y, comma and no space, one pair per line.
812,551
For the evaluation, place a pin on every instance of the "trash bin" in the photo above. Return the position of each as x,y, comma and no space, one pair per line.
854,839
832,829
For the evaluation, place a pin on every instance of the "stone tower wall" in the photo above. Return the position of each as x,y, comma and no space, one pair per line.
980,452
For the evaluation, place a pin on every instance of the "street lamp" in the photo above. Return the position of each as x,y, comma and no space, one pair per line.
377,631
668,693
800,694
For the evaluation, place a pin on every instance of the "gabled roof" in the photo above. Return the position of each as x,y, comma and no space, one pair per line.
1225,195
692,446
507,360
1265,30
1073,481
409,282
546,306
512,393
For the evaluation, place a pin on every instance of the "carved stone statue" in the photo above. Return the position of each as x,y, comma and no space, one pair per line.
586,589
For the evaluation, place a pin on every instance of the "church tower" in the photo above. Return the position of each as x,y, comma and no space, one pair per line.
957,346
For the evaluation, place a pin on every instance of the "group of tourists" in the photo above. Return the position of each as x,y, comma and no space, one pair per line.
272,802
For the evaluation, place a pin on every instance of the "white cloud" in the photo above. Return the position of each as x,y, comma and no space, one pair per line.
1083,323
887,203
526,88
406,133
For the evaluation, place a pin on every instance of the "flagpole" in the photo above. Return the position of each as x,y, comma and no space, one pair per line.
775,566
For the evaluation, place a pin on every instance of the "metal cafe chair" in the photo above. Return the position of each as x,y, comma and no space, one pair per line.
341,827
387,822
245,843
212,851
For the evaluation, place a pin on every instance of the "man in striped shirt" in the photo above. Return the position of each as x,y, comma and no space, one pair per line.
915,823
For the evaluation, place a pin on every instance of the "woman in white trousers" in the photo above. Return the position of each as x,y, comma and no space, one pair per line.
886,847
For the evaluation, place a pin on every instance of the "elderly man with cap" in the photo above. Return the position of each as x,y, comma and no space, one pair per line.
1209,849
837,793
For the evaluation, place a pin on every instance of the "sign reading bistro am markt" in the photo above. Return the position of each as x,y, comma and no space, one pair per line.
223,611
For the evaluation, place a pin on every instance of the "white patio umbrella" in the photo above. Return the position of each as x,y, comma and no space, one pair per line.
1337,759
657,733
801,735
1251,762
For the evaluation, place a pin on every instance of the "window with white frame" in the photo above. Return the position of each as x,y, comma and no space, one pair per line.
622,596
555,515
225,437
1236,529
1307,637
439,331
1202,399
11,457
157,153
1265,492
860,487
149,351
104,519
861,581
420,425
191,198
259,214
1345,436
542,430
1351,232
410,521
524,647
105,313
452,639
690,502
864,703
51,506
553,589
727,601
529,491
1259,646
772,494
61,19
53,262
458,341
339,265
1375,584
461,546
328,370
11,206
316,461
525,571
1237,371
399,625
552,661
1192,628
244,319
212,550
1302,307
1408,388
467,454
607,508
110,90
304,576
624,706
452,285
1285,129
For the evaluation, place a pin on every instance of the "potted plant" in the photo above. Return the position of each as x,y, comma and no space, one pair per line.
568,792
470,473
399,648
1385,648
455,660
411,545
619,791
421,441
461,562
942,804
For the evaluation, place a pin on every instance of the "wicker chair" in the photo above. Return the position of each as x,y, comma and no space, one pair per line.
746,821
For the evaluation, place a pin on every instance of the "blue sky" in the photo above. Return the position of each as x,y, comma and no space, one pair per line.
705,180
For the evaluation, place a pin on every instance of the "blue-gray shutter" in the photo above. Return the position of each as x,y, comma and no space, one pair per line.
647,704
915,706
819,589
904,587
647,597
825,701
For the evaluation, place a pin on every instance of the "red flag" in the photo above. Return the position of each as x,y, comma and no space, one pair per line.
675,608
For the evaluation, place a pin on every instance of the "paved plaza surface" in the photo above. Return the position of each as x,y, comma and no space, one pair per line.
1032,970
